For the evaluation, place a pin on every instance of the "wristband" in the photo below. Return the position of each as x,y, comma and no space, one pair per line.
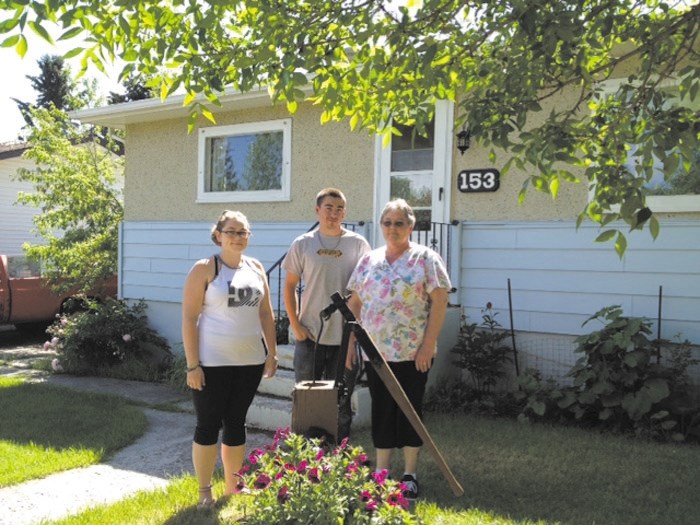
193,368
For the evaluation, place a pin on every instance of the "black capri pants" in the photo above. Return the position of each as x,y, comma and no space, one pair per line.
390,428
223,403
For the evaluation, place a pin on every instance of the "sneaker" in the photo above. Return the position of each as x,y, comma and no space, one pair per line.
410,487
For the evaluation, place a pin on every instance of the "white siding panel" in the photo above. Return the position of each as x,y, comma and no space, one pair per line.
560,277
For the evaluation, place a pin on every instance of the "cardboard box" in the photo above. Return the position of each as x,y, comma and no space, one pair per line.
315,404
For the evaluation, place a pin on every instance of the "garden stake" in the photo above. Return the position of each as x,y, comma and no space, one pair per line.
512,332
658,329
394,388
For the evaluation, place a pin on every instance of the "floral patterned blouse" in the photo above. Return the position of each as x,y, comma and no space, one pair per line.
396,297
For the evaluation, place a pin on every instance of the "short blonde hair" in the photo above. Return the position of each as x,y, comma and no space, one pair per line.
402,206
227,215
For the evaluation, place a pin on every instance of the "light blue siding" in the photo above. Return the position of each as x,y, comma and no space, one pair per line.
559,276
156,256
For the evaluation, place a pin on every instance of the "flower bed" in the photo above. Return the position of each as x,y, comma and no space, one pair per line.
299,480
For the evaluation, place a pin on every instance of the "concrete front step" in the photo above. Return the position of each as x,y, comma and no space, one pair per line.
272,407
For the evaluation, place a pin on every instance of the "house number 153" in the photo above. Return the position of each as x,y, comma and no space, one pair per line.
470,181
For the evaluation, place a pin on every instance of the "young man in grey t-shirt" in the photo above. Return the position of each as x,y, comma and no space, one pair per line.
323,259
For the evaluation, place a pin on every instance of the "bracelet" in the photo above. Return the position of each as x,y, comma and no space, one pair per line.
193,368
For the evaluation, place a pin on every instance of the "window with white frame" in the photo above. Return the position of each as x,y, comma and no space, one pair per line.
679,193
245,162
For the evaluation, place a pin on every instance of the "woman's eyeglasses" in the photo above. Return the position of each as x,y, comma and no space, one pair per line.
233,233
397,224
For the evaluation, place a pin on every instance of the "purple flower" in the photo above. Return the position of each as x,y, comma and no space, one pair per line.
319,454
314,475
397,499
240,486
290,467
362,460
301,467
380,477
262,481
371,505
253,456
283,495
365,496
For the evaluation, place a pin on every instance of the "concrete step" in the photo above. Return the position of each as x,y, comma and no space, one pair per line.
270,413
272,406
285,356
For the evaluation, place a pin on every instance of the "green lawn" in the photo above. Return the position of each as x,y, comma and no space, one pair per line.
512,473
47,429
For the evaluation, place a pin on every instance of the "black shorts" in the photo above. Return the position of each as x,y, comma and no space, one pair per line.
223,403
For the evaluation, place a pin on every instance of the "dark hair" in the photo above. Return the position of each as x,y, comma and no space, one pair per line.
329,192
225,216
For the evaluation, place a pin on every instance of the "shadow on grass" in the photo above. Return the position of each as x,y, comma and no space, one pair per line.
547,474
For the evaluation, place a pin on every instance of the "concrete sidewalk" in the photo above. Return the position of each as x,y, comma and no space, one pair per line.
162,452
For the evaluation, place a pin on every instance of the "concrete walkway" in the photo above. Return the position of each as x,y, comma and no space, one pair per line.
161,453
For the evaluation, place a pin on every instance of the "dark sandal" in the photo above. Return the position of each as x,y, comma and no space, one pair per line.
206,499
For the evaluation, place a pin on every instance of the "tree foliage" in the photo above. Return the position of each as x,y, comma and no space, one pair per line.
375,63
56,88
135,88
75,187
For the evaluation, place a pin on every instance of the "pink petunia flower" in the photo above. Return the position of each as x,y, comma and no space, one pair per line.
314,475
262,481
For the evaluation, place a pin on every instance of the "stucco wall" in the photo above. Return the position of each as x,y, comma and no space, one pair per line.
161,181
503,203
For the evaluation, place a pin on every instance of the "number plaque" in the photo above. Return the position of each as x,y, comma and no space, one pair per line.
472,181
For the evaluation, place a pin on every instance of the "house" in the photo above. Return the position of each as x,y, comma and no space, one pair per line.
530,256
16,219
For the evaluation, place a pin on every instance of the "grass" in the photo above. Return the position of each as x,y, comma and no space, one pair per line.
511,473
47,429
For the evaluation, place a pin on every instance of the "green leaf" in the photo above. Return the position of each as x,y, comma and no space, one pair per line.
606,236
621,245
657,389
538,407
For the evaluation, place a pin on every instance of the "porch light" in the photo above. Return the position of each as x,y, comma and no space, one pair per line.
463,139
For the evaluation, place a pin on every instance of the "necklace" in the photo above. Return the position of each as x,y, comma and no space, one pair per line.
329,252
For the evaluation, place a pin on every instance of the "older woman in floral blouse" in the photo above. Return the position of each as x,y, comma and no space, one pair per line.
399,294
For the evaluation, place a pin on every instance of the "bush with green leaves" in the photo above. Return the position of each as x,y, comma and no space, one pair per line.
480,350
109,338
620,382
300,480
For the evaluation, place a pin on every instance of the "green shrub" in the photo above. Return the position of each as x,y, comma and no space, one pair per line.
176,374
109,338
481,352
620,383
455,397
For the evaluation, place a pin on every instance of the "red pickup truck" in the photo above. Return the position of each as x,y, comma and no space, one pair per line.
25,297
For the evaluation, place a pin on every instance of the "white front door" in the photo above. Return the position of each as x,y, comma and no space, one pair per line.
418,171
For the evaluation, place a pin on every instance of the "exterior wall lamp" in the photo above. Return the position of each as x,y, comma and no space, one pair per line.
463,140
